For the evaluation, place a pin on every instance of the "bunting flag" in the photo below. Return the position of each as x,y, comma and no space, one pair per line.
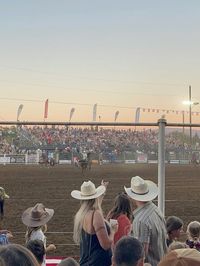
46,108
94,112
19,111
71,113
137,115
116,115
177,112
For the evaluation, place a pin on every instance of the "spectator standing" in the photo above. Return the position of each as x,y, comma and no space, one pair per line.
68,262
16,255
90,229
37,248
181,257
3,196
121,211
36,218
148,224
193,233
174,227
128,252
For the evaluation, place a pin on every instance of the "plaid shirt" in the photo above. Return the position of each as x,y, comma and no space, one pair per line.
149,227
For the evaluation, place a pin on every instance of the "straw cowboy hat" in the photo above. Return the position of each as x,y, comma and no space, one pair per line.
142,190
88,191
37,215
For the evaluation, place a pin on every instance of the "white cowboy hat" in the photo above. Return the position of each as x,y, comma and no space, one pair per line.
37,215
142,190
88,191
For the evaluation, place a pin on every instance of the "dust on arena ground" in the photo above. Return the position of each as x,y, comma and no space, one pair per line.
28,185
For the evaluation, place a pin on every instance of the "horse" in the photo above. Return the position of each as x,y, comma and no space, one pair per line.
195,159
85,163
46,161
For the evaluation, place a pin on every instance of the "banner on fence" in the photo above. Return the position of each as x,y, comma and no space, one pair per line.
142,158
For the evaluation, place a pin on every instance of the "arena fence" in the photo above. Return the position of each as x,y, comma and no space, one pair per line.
159,158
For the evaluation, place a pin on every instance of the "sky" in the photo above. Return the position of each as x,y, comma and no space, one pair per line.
120,55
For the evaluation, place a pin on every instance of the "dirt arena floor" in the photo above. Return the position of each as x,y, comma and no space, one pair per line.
28,185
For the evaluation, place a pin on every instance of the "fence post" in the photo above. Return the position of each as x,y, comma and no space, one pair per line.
161,165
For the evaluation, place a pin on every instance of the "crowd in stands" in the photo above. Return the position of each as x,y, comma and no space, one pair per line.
105,140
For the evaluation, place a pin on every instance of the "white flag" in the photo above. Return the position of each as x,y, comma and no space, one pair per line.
116,115
19,111
94,112
137,115
71,113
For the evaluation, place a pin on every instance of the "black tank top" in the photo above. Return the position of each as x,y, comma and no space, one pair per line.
91,252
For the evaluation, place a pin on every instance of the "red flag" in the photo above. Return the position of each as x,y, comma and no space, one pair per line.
46,108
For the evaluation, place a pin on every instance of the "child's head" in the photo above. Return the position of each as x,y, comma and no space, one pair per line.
37,216
174,226
193,230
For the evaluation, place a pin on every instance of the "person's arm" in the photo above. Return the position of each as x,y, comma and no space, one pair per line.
143,235
50,247
105,184
105,240
146,248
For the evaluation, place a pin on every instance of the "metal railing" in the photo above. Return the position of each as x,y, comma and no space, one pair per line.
161,124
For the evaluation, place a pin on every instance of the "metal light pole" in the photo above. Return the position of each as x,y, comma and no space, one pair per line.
190,115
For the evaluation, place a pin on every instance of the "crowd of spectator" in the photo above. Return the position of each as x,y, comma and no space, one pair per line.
15,140
133,233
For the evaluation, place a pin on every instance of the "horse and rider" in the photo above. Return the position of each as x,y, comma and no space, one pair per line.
85,161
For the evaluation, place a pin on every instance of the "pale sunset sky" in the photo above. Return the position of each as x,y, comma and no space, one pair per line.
118,54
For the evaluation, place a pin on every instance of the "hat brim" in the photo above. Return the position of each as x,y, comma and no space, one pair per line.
28,221
76,194
152,193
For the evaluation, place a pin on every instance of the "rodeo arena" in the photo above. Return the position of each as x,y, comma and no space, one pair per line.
47,164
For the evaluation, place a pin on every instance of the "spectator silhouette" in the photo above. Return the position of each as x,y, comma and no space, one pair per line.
37,248
3,196
16,255
68,262
148,223
174,227
90,229
36,218
121,211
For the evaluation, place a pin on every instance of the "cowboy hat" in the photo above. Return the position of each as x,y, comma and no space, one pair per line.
142,190
88,191
37,215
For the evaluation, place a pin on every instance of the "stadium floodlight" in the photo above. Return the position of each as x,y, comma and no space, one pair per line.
190,103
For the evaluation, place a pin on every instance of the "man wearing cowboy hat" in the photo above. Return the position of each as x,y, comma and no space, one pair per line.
148,223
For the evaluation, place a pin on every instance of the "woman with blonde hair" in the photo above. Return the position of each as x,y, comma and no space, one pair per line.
193,233
91,231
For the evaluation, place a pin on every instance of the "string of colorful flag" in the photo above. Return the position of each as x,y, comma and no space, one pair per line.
116,115
167,111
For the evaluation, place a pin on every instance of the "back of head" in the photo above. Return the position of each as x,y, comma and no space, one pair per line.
37,248
122,205
173,223
68,262
181,257
128,252
177,245
14,254
193,230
